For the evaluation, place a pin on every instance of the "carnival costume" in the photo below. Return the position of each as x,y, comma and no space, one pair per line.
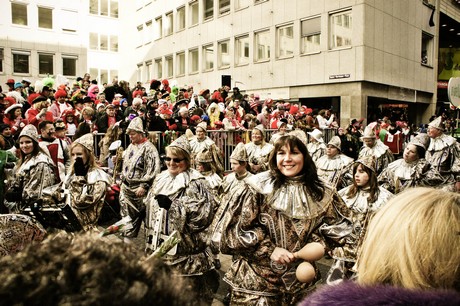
258,154
191,210
352,233
316,148
400,175
141,163
88,192
34,174
334,169
443,154
262,218
379,151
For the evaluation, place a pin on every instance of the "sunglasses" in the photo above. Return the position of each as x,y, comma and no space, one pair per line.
176,160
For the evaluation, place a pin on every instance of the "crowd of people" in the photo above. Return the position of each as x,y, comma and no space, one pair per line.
288,200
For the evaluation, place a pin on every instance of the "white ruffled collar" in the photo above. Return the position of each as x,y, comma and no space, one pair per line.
168,184
337,162
292,198
377,150
441,142
359,203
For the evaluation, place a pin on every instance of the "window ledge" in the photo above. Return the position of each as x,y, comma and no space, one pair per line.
426,65
194,72
285,57
310,53
340,48
242,65
224,67
262,61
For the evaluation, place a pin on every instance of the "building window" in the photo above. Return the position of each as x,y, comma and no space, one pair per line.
208,57
45,63
341,29
285,39
208,9
180,18
194,13
21,61
224,6
159,68
140,38
139,72
93,41
223,48
239,4
114,9
169,66
104,8
103,42
113,75
180,63
45,18
94,73
148,70
104,76
311,35
262,46
242,50
69,65
193,61
169,22
19,13
113,43
427,49
69,21
158,27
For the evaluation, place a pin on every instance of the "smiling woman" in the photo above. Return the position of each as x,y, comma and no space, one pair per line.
276,215
181,200
33,172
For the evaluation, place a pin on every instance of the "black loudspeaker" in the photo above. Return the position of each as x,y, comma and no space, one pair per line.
227,80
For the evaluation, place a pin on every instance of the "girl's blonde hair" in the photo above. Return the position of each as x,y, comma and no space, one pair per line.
91,159
413,242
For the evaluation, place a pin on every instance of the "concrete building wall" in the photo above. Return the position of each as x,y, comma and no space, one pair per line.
383,61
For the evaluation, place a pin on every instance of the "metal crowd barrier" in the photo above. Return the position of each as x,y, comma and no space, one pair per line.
225,140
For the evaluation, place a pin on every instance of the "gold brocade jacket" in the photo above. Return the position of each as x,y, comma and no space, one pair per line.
260,218
191,213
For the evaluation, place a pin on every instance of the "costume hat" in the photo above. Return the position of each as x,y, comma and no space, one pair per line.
12,108
336,142
369,132
240,153
301,135
182,143
87,141
260,127
202,125
136,125
317,134
204,156
437,123
30,131
368,161
421,140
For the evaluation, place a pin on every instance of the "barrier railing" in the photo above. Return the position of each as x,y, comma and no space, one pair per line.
224,140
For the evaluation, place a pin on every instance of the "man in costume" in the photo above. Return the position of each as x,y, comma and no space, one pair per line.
373,146
141,163
443,154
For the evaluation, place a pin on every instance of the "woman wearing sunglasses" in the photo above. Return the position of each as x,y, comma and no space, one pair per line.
181,200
